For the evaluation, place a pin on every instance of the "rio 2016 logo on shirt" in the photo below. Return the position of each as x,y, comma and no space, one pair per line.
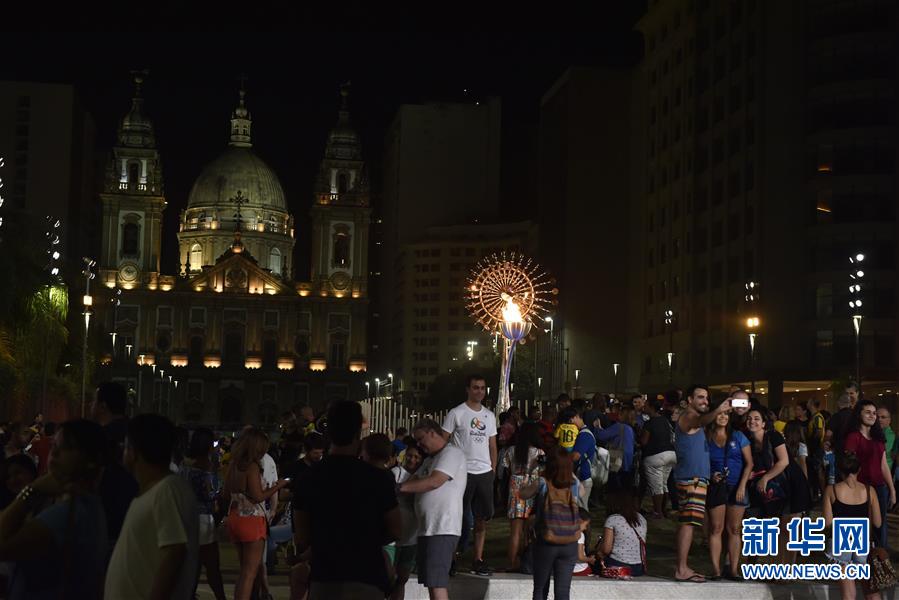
476,423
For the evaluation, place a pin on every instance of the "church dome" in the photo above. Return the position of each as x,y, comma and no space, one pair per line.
238,169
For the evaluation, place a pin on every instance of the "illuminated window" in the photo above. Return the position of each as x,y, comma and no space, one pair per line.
274,261
196,257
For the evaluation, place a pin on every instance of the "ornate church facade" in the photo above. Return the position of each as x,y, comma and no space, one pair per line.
232,338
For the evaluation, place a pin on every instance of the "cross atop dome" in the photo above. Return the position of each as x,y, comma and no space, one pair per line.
241,122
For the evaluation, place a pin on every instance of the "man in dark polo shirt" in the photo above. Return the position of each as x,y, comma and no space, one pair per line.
346,511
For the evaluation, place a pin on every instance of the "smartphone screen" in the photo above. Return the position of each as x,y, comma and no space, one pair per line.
740,403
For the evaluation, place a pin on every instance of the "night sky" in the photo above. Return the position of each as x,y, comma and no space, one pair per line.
292,90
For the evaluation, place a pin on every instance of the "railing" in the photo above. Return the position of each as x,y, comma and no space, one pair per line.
268,227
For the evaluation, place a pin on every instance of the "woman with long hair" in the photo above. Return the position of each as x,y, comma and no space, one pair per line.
60,551
850,499
554,560
799,497
624,535
246,514
196,469
523,463
731,465
767,492
866,440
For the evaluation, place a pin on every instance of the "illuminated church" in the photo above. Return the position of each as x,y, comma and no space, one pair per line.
232,337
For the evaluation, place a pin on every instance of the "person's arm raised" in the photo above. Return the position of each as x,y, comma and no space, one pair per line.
713,414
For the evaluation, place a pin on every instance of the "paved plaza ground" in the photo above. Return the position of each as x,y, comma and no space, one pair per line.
659,583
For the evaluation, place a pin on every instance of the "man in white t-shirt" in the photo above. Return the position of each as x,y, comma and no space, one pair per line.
440,484
473,430
155,557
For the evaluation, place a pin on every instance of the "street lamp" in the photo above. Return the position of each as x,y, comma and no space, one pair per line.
752,324
377,387
856,274
577,377
615,367
669,325
390,377
469,351
367,390
88,301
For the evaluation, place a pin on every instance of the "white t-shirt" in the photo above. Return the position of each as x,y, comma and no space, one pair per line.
580,567
439,512
409,534
269,478
164,515
626,545
471,431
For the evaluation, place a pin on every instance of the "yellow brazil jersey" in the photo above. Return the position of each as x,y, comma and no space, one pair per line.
566,433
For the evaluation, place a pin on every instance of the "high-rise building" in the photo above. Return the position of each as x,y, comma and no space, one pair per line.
584,158
432,332
47,145
441,167
768,158
243,339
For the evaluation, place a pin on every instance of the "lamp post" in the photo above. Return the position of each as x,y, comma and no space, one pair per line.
615,367
552,344
856,274
752,324
367,390
577,377
377,387
88,301
669,325
140,378
469,349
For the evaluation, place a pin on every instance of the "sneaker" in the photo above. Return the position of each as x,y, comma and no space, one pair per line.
480,567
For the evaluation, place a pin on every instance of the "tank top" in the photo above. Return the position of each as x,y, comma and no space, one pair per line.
692,454
855,511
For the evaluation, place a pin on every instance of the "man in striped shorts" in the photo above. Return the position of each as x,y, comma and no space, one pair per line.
692,472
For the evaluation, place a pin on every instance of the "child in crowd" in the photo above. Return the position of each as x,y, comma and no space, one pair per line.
584,565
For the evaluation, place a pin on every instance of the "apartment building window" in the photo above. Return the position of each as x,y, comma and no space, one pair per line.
733,226
733,270
733,184
701,281
717,234
717,150
717,192
716,275
736,56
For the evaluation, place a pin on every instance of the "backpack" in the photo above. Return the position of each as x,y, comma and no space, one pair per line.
597,465
559,521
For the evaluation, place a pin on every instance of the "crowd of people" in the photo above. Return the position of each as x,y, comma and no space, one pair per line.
134,508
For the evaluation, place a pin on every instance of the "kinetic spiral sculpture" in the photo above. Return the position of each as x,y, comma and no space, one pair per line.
506,294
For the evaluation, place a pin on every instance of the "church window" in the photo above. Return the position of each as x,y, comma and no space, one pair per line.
341,251
338,336
274,261
233,355
130,236
196,257
133,173
342,183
